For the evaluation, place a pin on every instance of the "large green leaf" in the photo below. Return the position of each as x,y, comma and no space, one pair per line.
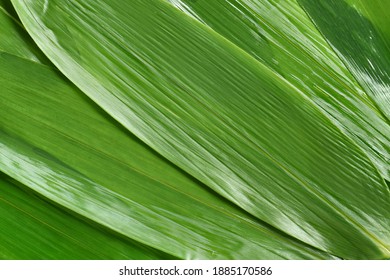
58,143
220,115
359,32
31,228
124,143
279,34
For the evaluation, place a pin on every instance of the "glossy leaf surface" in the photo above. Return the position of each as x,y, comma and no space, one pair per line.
31,228
220,115
58,143
141,156
359,32
280,35
14,39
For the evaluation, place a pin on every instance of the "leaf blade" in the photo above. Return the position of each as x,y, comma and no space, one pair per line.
15,40
56,143
360,39
281,35
159,111
34,229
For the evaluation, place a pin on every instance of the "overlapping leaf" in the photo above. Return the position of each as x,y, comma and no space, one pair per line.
279,34
220,115
31,228
14,39
126,148
57,143
359,31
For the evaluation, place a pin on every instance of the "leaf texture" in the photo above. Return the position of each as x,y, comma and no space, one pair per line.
60,145
359,32
222,116
141,156
14,39
280,35
32,228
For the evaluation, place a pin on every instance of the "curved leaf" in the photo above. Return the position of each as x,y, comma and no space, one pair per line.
14,39
221,116
31,228
124,144
54,141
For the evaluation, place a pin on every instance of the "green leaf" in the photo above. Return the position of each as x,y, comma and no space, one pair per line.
31,228
14,39
53,140
359,32
280,35
117,151
222,116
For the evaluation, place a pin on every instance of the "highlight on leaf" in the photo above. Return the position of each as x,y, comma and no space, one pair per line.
233,129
